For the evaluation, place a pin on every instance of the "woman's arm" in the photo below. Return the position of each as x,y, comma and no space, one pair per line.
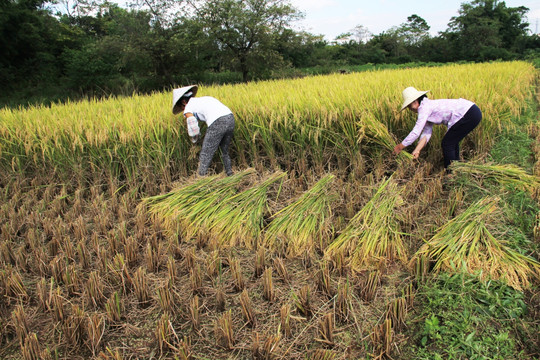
423,141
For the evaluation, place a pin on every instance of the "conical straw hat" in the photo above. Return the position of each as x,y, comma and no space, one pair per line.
178,93
410,94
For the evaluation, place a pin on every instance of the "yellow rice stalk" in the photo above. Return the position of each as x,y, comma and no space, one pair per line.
304,224
372,235
186,210
504,174
378,133
466,244
239,218
285,320
382,338
287,121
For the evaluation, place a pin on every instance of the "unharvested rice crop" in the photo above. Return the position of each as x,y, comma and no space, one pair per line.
316,122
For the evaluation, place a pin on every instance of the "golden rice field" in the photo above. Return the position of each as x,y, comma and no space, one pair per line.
111,247
328,123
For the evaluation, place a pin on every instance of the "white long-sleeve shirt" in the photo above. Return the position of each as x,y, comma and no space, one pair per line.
206,108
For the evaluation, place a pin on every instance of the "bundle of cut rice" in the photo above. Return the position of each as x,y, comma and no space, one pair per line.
466,244
239,219
372,235
503,174
304,224
189,209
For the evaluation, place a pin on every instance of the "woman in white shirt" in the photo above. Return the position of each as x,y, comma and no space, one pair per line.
218,118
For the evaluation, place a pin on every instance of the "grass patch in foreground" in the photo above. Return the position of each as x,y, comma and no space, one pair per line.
465,318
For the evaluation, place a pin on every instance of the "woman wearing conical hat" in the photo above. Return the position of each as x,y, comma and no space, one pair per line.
218,118
459,115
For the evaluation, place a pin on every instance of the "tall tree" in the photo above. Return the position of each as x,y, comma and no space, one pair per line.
415,30
30,42
246,28
486,29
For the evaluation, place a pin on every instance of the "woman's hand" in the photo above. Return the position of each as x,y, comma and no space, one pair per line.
398,148
419,147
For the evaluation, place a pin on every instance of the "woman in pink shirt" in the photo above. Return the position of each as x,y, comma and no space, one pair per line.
459,115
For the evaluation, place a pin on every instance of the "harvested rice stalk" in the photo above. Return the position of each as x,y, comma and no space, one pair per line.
268,285
239,282
382,338
465,243
396,310
504,174
184,351
223,331
247,308
194,313
369,285
326,330
285,317
372,235
259,262
267,350
186,210
304,224
239,218
377,133
164,333
95,328
302,301
342,304
323,354
30,349
221,299
282,271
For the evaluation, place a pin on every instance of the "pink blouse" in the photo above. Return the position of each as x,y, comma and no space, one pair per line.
442,111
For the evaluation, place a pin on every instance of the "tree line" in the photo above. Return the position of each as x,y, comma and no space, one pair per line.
68,49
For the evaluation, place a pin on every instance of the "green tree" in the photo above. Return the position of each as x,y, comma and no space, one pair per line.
246,29
415,30
391,45
29,39
487,29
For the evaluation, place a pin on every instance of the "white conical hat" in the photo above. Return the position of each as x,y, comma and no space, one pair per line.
410,94
178,93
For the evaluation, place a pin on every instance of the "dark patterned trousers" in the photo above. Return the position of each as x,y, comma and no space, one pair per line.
219,134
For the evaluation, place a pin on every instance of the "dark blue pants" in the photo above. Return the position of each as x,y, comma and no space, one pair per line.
452,138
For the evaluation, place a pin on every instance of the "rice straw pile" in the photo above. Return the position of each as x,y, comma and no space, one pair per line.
466,244
372,235
239,218
304,224
188,209
503,174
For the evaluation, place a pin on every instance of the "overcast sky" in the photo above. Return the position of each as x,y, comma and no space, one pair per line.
333,17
